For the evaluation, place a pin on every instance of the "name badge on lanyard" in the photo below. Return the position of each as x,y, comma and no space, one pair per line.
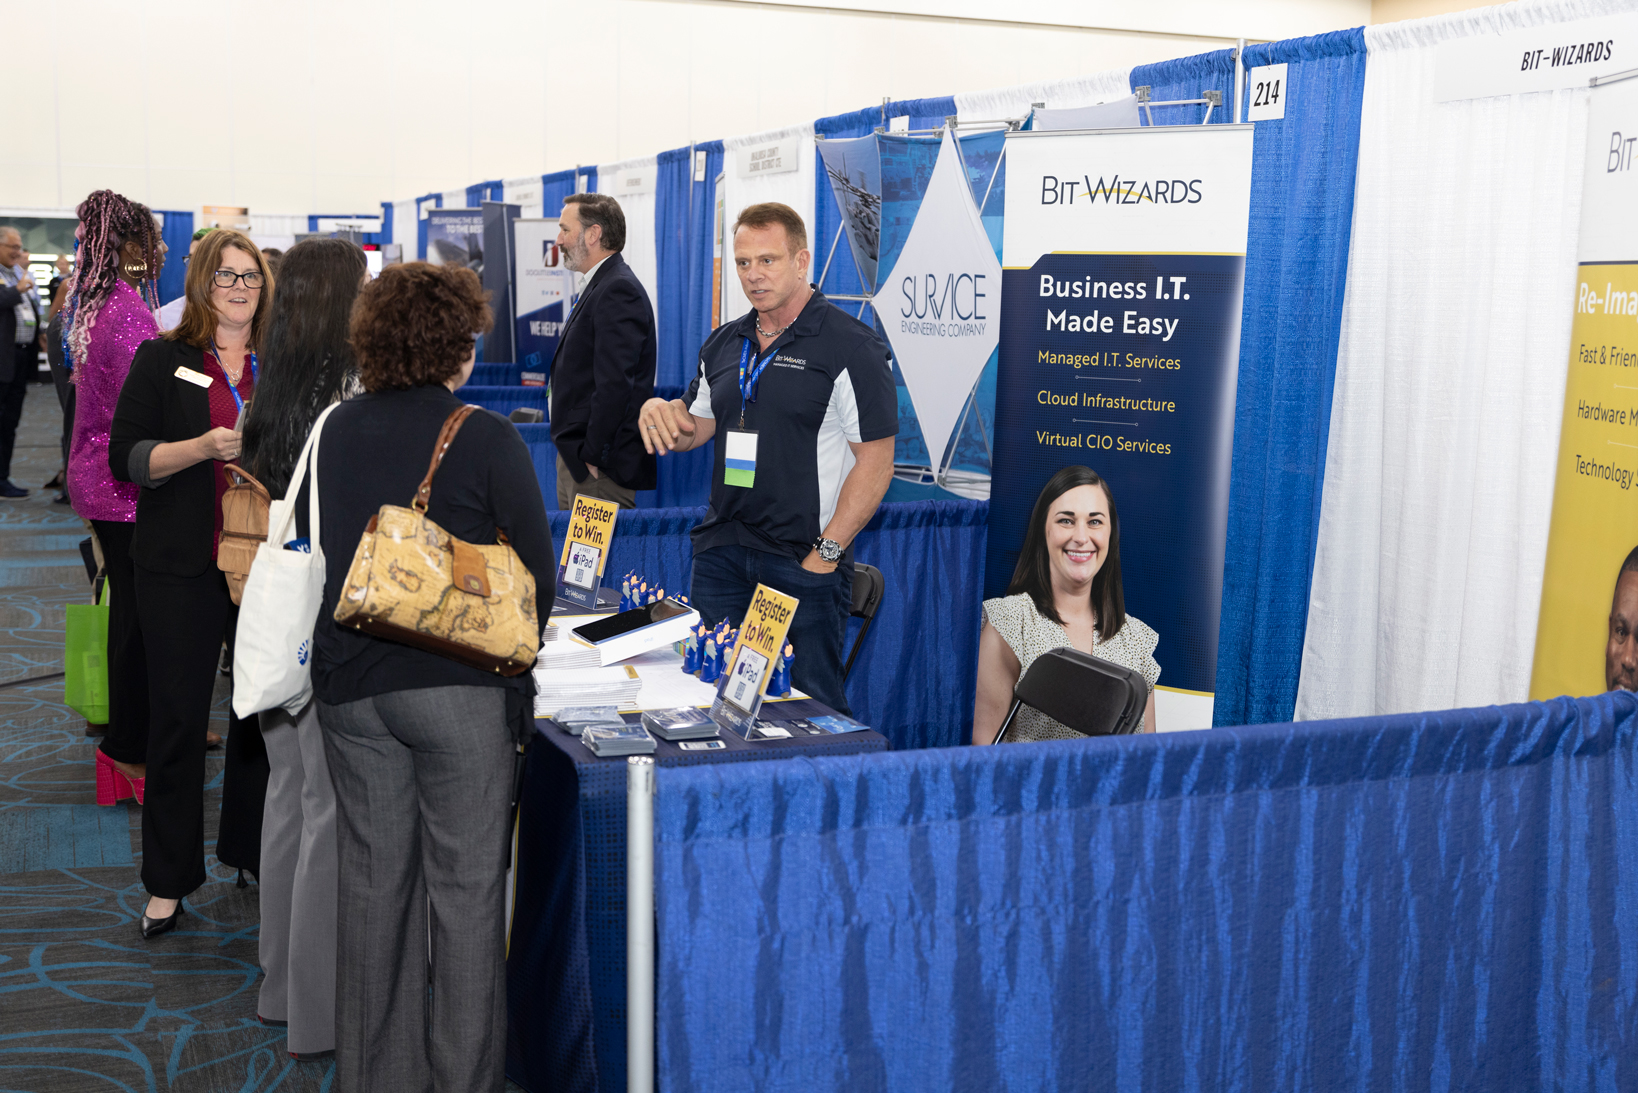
238,399
739,455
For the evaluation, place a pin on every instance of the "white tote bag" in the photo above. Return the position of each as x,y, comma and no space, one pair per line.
273,645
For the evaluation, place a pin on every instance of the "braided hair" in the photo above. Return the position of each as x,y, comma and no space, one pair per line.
107,222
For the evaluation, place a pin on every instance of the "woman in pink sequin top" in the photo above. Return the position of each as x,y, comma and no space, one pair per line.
108,313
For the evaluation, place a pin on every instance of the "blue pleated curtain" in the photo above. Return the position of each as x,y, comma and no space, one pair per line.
434,201
1302,201
177,234
484,191
1187,78
558,185
1422,902
684,215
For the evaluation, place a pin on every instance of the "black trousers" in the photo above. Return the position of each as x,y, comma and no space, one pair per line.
65,399
127,737
184,620
11,401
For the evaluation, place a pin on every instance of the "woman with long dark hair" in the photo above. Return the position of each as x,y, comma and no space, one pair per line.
1065,592
108,312
309,364
174,429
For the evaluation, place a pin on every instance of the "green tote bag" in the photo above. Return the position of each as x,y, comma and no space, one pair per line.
85,659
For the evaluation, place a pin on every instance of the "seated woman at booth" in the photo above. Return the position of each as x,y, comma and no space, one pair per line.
1066,592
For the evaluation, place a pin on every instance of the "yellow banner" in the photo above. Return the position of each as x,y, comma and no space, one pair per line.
762,633
590,523
1583,645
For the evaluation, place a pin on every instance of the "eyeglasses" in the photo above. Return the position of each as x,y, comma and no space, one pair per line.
226,278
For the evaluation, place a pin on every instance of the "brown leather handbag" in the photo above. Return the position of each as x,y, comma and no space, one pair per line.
412,582
245,508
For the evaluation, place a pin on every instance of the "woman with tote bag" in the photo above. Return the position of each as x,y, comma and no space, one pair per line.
310,366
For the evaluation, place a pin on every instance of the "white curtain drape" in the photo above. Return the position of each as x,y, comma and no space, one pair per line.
454,199
525,192
640,253
405,227
793,188
1014,102
1449,382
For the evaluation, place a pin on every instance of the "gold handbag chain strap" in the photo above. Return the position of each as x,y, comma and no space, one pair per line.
446,437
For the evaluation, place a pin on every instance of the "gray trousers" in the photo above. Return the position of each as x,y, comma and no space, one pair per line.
298,883
423,783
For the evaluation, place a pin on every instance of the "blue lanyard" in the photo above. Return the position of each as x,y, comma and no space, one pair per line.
238,399
750,372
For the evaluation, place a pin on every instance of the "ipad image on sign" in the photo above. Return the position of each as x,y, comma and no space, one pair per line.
582,568
746,677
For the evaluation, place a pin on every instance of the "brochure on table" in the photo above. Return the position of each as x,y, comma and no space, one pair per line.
665,686
586,550
750,662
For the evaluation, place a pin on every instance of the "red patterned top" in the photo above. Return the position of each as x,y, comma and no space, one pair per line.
224,414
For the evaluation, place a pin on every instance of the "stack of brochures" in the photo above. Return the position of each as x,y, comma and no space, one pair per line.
608,740
565,654
577,719
684,723
562,687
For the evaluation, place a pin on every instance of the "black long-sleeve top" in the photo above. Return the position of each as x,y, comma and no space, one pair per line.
374,451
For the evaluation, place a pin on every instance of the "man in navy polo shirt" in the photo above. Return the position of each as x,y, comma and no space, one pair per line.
798,396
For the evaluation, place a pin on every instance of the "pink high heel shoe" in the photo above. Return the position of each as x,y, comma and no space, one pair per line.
112,785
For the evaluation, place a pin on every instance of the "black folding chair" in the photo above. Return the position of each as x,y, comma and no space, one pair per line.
1082,692
527,415
868,587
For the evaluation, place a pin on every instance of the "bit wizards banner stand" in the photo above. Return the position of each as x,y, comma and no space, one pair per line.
1123,270
1589,598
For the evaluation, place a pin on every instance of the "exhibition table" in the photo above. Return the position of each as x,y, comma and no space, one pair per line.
566,959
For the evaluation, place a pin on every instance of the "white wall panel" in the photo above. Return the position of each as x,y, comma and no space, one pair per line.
308,106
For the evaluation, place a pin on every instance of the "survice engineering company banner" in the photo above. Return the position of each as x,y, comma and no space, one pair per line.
1589,599
1123,271
939,302
545,291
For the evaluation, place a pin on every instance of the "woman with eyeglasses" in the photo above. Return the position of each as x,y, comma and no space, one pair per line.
176,425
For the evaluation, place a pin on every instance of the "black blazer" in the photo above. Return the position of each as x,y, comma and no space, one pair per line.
175,521
9,299
602,374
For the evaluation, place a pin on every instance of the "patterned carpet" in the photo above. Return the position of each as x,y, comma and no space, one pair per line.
85,1004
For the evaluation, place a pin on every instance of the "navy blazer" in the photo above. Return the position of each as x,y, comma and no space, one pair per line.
602,374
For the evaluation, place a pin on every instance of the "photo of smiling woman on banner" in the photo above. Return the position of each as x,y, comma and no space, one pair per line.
1065,593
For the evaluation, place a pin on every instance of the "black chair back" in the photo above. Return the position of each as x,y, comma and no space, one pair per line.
1082,692
868,587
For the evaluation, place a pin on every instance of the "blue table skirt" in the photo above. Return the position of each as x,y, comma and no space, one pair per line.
566,962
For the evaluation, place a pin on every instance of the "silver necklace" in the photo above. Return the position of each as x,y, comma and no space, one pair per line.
770,333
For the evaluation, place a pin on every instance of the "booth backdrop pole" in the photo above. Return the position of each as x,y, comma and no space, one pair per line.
640,924
1237,113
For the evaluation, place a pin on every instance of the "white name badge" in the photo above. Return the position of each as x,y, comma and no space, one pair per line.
739,459
198,378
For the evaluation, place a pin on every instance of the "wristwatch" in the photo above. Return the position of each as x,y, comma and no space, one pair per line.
829,549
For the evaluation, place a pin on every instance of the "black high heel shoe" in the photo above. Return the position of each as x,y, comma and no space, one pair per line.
153,927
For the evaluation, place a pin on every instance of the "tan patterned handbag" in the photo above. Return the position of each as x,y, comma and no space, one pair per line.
413,582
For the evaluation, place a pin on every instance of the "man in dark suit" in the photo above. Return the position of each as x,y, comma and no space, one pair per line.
603,371
19,348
